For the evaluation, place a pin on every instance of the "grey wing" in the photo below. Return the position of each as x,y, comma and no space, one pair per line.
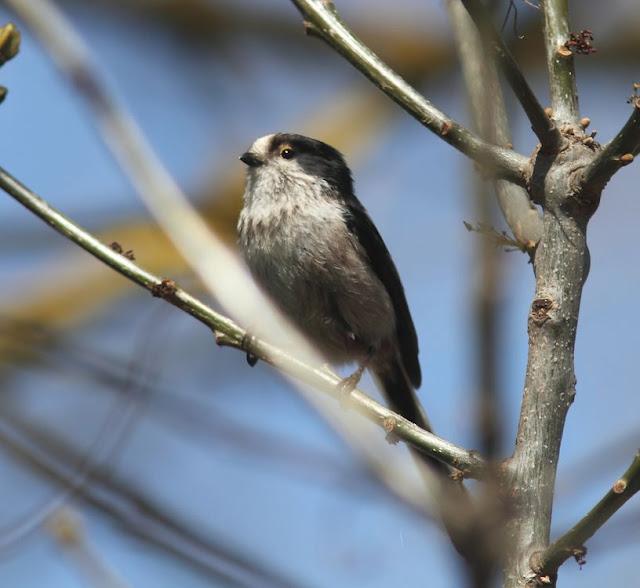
359,223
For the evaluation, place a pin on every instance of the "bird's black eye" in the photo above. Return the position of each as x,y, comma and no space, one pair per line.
286,153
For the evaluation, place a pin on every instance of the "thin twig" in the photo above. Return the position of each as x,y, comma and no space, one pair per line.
544,128
562,76
322,20
230,334
571,544
619,152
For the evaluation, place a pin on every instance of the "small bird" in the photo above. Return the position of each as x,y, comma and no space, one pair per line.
311,245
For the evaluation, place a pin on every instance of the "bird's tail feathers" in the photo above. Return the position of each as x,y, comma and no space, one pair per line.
401,396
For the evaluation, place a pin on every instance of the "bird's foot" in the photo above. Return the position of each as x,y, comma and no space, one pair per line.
247,343
347,385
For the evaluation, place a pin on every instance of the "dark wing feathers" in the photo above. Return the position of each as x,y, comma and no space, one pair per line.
362,227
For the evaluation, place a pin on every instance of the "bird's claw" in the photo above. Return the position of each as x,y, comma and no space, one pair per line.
347,385
247,342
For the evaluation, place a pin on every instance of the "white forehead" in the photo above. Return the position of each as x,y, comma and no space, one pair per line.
261,146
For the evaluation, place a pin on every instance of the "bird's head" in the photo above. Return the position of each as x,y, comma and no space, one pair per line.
293,156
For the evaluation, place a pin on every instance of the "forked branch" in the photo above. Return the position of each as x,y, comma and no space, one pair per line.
544,128
619,152
571,544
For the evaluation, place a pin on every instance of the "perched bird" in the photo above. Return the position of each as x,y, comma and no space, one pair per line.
312,247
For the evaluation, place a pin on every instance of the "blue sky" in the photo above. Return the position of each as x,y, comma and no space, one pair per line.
316,525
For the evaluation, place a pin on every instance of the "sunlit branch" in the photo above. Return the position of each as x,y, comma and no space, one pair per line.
571,544
619,152
322,20
228,333
562,76
544,128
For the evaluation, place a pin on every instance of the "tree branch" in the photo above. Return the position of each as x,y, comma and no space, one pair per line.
570,544
230,334
544,128
489,112
619,152
562,77
321,19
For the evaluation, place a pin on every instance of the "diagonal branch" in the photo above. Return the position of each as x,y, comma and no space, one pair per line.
321,19
562,75
546,563
230,334
619,152
544,128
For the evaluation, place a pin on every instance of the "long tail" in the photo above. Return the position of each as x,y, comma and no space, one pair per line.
401,397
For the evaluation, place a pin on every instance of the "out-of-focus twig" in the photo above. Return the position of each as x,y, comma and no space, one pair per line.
136,512
66,527
571,544
542,125
490,116
322,19
228,333
53,352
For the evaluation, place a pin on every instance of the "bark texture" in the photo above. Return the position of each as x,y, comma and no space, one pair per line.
561,265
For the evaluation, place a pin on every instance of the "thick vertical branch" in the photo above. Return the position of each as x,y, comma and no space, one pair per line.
561,266
562,78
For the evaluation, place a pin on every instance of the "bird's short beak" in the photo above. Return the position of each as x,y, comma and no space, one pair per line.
251,159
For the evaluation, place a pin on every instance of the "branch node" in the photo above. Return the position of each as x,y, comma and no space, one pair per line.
311,30
579,43
620,486
119,249
9,42
626,159
585,122
540,309
445,128
165,289
389,424
579,555
563,51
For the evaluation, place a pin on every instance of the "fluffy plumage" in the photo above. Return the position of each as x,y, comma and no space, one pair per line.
311,245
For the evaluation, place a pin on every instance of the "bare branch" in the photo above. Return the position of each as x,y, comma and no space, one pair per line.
571,544
228,333
562,77
321,19
489,112
619,152
544,128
